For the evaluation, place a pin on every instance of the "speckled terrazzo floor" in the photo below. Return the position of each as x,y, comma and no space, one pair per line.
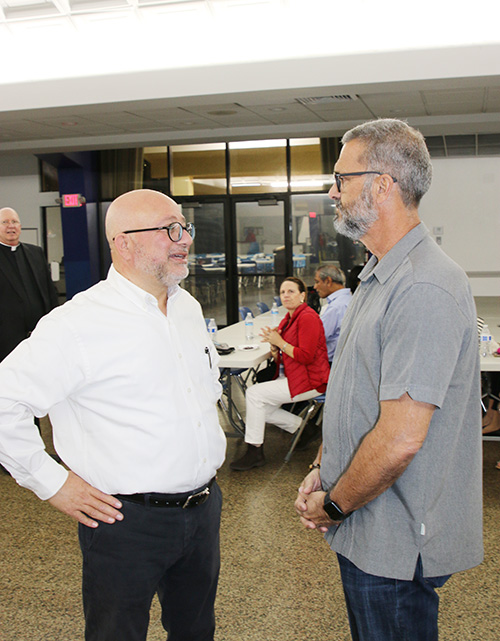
278,582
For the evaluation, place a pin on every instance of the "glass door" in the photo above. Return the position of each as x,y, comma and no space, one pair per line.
315,239
207,259
261,257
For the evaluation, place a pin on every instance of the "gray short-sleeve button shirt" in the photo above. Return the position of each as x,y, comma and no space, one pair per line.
411,327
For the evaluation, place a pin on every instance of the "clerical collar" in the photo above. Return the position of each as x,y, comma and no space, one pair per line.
12,247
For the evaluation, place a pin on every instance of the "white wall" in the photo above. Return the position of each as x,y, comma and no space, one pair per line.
464,200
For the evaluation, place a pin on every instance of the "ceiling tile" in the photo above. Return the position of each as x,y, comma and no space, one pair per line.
285,113
454,101
390,105
492,100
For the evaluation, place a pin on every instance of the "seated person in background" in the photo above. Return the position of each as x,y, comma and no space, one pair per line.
299,345
329,282
491,420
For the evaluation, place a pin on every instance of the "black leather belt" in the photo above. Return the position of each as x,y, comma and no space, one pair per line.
184,499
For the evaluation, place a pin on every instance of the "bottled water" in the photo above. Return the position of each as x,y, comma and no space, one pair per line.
274,315
249,327
485,341
212,329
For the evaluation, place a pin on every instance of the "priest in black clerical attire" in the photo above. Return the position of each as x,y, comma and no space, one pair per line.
26,289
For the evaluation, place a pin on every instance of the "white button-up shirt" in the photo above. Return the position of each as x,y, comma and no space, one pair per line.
131,394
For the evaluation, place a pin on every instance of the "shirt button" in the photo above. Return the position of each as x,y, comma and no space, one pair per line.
189,390
199,424
180,355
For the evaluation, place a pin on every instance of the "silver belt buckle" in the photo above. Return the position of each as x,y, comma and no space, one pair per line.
191,497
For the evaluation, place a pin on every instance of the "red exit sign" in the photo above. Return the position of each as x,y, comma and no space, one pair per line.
72,200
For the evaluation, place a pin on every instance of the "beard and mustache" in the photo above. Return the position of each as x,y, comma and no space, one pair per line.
163,272
357,218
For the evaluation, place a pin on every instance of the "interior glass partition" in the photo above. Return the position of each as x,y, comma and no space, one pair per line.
315,240
155,169
258,166
260,243
198,169
207,259
311,166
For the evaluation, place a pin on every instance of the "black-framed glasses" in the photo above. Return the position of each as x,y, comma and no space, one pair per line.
174,230
340,177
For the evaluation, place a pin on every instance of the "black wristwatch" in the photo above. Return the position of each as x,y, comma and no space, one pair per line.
333,510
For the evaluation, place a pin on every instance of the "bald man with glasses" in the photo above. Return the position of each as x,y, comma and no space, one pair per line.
128,375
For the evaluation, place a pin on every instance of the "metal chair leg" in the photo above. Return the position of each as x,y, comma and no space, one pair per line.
307,414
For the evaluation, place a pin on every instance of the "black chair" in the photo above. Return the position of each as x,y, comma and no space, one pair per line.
312,410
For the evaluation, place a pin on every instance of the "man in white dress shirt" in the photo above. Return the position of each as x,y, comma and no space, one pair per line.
129,378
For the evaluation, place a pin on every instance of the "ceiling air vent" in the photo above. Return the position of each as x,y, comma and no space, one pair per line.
322,100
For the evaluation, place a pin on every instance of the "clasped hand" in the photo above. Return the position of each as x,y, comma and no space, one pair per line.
270,336
309,504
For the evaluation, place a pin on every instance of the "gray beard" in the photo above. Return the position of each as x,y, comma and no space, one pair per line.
160,271
358,218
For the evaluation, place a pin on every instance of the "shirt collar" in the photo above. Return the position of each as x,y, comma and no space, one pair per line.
338,292
11,247
133,292
384,269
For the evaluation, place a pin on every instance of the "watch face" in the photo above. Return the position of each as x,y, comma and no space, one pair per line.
333,511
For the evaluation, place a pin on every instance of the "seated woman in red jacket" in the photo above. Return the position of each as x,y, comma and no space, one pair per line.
299,346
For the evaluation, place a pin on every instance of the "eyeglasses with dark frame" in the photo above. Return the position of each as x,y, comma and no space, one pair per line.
174,230
340,177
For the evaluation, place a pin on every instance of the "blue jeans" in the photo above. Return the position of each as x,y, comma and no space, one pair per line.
382,609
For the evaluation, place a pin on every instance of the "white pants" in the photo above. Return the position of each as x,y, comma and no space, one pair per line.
264,401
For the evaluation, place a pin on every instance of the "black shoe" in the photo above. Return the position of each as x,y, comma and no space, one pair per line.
310,433
253,457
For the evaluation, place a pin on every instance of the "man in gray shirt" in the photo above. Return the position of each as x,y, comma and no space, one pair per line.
396,485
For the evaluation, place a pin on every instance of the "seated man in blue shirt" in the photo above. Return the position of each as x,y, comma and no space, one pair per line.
329,282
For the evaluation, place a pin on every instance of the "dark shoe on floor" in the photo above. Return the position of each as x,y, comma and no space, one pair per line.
253,457
311,433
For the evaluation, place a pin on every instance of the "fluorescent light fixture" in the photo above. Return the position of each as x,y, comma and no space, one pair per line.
298,183
257,144
29,11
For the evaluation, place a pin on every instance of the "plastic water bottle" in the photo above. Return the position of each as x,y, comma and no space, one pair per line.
485,341
249,327
212,329
274,315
